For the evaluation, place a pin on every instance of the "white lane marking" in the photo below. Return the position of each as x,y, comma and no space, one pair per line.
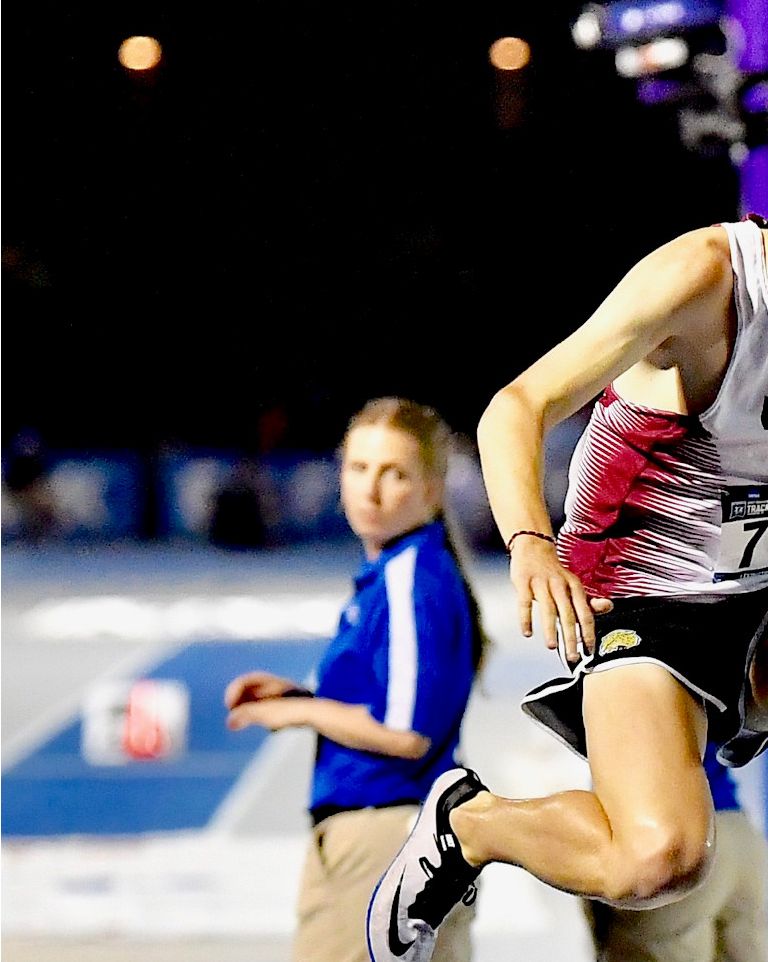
132,618
211,885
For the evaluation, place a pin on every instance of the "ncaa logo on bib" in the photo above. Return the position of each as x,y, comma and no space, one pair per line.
618,640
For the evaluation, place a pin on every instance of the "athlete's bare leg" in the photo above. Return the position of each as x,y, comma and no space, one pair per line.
644,835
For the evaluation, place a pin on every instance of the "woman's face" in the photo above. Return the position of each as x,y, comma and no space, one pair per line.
384,488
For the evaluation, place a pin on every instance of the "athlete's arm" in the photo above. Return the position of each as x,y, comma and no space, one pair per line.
348,725
668,297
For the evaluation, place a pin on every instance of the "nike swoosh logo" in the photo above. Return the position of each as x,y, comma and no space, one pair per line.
397,947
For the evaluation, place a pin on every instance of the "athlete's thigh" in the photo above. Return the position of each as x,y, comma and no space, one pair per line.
645,739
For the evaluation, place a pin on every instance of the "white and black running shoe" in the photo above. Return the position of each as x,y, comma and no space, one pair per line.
427,878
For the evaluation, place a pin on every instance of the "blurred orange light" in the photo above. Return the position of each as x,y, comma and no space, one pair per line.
139,53
510,53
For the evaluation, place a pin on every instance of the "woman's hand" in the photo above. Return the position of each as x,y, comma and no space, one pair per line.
256,686
537,575
273,713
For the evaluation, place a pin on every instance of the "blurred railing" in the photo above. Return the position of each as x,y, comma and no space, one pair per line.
224,497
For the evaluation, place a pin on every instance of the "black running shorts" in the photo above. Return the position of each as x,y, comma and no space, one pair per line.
706,641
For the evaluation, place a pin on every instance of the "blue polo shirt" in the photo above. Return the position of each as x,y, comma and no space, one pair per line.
404,650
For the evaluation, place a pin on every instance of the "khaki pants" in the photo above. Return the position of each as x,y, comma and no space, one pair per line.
722,921
348,853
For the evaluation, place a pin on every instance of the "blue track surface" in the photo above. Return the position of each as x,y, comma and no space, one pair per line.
54,791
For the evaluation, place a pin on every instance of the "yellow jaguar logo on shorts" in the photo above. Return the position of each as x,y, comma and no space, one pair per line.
618,640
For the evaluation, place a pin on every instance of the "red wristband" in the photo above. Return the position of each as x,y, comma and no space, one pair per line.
534,534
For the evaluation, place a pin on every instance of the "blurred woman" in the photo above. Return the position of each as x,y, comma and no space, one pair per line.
393,684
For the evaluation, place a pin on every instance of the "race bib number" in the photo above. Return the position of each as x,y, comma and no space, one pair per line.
744,533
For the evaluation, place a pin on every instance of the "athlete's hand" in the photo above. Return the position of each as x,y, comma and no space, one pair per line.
537,575
272,713
255,686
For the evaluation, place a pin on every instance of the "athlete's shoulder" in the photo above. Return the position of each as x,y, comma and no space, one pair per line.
691,275
704,253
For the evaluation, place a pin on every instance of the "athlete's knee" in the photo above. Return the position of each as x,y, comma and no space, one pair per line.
661,866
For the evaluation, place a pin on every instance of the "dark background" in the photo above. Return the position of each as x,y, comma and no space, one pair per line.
307,205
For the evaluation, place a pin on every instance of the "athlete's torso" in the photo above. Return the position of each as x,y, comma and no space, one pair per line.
663,502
